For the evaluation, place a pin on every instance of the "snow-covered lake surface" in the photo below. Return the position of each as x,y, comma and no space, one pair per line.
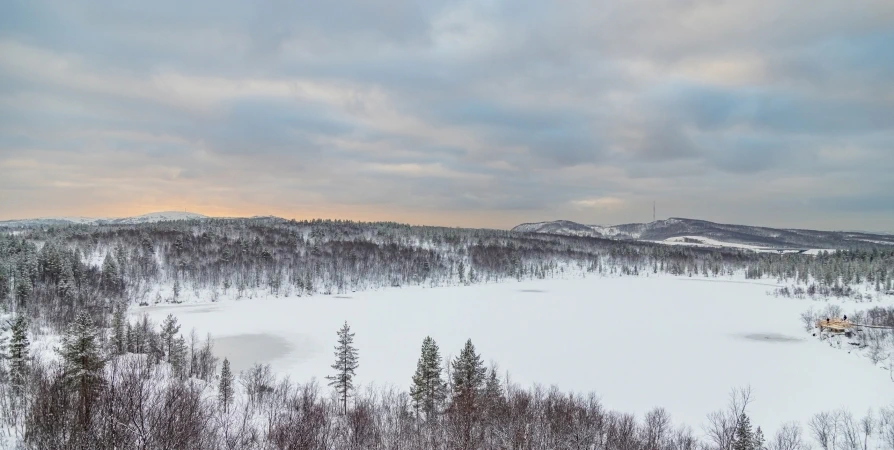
637,342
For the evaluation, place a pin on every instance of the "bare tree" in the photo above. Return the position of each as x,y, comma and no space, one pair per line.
886,426
788,437
721,428
822,426
867,426
849,430
257,381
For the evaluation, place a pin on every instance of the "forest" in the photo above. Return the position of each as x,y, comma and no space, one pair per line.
115,383
51,274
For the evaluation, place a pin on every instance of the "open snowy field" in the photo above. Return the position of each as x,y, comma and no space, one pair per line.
638,343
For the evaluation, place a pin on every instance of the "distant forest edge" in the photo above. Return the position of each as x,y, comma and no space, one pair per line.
54,272
692,229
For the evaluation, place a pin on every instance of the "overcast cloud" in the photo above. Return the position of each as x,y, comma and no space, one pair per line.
481,113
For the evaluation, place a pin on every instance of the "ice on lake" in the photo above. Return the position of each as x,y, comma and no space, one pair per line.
245,350
636,342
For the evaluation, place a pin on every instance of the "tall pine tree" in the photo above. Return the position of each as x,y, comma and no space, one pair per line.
493,391
111,279
428,389
18,354
759,442
4,327
82,363
225,387
169,329
468,381
744,438
178,357
120,330
346,363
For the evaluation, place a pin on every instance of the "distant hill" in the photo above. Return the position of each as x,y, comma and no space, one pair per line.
678,231
60,221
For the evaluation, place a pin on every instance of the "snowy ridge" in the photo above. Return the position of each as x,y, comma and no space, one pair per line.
61,221
679,231
158,217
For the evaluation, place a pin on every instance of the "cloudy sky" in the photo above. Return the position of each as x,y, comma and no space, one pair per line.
480,113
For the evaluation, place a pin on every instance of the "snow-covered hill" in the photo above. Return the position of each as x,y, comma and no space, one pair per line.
157,217
676,230
60,221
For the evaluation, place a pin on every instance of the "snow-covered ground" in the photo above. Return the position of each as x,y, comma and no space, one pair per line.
700,241
638,342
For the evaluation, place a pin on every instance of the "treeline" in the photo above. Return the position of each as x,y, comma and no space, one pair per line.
142,386
53,273
829,273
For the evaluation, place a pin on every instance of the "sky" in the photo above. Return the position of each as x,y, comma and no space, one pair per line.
483,113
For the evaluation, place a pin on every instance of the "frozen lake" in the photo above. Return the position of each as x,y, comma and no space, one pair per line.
636,342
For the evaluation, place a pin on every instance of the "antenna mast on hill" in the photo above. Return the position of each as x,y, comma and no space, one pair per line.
653,210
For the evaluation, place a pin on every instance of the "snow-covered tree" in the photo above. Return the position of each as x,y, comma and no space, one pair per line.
493,390
428,389
468,375
346,363
111,278
82,362
178,356
18,353
66,286
169,329
120,329
744,437
467,385
759,442
225,386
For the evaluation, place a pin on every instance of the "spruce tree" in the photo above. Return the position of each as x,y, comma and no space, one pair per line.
119,332
130,337
4,327
744,438
346,363
178,356
225,387
428,389
759,442
169,329
468,380
66,286
82,363
110,276
493,391
468,375
18,354
23,286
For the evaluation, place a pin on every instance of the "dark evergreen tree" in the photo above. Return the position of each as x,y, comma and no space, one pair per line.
493,391
178,356
169,329
468,381
225,386
759,441
4,341
18,354
111,278
744,437
120,331
82,363
428,389
346,363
